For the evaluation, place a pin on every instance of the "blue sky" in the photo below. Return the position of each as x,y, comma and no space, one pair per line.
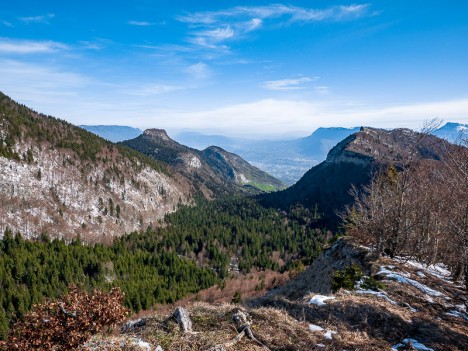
257,68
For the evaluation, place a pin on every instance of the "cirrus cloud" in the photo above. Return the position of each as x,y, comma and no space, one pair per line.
10,46
287,84
44,19
209,29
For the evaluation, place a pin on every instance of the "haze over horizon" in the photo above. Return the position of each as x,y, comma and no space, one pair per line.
257,68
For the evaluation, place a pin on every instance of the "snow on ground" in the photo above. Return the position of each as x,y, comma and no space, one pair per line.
329,334
416,344
125,343
319,300
438,270
404,278
143,345
33,194
381,294
455,313
313,327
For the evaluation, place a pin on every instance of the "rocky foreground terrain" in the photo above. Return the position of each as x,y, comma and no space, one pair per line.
395,305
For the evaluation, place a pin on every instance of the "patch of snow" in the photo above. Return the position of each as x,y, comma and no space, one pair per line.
412,309
143,345
403,278
420,274
384,270
455,313
416,344
320,345
381,294
313,327
329,334
319,300
437,270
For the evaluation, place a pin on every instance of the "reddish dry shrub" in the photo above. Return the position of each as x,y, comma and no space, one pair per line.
67,323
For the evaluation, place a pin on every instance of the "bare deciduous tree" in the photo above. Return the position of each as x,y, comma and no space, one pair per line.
419,210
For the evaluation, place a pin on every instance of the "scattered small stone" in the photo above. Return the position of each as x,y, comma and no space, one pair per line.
132,326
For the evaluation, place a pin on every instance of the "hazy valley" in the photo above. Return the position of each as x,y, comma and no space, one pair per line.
287,160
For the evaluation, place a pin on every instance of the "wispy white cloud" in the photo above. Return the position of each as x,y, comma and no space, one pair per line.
141,23
211,38
218,34
290,13
155,89
45,19
287,84
322,90
9,46
210,29
7,24
253,24
199,71
42,87
96,44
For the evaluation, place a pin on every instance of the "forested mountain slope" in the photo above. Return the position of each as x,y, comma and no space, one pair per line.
58,178
213,171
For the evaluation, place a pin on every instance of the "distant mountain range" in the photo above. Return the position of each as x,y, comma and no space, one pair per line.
288,160
452,131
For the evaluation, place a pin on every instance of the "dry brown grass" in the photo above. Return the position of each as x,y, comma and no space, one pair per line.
278,328
213,325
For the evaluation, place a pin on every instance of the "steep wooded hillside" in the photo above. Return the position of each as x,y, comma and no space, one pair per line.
60,179
213,171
